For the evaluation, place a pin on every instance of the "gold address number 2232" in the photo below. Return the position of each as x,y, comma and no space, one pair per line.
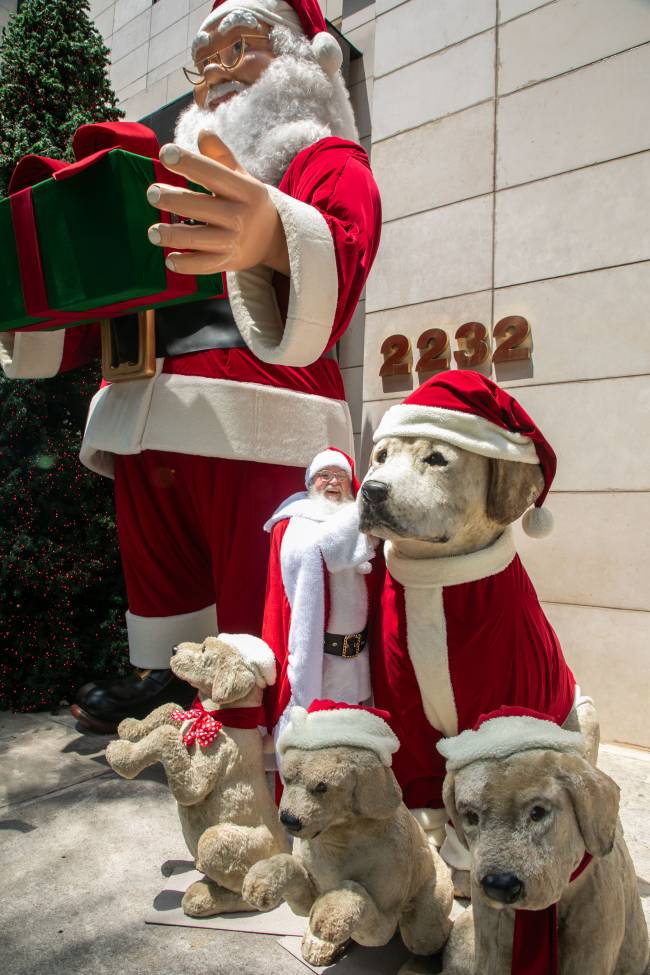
511,344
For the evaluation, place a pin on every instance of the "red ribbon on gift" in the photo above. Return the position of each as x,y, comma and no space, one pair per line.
90,143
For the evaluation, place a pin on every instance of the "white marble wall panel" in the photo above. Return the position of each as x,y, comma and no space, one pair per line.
134,34
104,24
437,254
595,217
145,101
439,163
584,117
363,38
354,13
97,7
126,10
515,8
438,85
361,97
421,27
597,554
412,321
585,326
170,42
595,429
129,69
350,347
164,13
170,69
381,6
608,652
562,36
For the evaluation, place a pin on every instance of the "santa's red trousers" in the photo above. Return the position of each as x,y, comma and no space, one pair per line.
191,537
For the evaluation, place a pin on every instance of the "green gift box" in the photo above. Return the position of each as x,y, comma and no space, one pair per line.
75,246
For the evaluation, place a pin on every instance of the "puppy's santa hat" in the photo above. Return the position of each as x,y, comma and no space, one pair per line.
303,17
332,457
256,654
331,724
505,732
466,409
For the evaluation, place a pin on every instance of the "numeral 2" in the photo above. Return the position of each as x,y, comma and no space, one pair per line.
396,350
434,346
513,332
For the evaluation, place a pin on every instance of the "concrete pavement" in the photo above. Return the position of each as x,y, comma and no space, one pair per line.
84,853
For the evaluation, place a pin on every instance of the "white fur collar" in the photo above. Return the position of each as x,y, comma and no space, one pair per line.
301,505
451,570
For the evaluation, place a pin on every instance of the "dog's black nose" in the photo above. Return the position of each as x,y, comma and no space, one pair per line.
374,491
504,887
291,822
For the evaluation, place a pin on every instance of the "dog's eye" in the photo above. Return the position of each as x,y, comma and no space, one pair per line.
381,456
435,460
320,788
471,817
537,813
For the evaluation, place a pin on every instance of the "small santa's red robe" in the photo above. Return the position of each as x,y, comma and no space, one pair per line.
455,638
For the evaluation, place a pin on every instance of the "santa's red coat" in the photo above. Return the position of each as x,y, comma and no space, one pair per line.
455,638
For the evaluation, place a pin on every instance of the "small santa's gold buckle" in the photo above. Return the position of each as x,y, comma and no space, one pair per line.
142,364
352,644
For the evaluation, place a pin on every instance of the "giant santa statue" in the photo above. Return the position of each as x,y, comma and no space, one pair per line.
247,388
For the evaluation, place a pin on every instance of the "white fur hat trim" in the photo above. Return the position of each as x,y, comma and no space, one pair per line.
325,48
505,736
465,430
256,653
352,727
327,458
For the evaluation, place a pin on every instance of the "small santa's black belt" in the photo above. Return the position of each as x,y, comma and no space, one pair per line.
132,343
345,645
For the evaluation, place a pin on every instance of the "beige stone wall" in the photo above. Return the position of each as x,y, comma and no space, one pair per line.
511,142
7,8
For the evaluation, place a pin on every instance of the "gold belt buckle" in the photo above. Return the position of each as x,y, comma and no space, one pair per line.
144,367
352,638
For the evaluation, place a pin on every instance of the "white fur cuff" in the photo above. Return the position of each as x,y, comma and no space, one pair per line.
313,295
351,727
151,638
31,355
505,736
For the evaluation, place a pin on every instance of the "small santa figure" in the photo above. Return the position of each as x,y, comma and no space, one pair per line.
317,597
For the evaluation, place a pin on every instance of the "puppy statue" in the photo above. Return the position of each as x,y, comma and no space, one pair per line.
553,887
212,755
460,629
361,865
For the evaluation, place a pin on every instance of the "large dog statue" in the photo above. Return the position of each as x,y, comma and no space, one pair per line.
460,631
553,886
213,758
361,866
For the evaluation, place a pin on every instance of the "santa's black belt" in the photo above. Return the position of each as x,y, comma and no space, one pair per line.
131,343
345,645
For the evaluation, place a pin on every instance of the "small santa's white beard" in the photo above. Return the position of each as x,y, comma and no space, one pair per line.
328,506
290,107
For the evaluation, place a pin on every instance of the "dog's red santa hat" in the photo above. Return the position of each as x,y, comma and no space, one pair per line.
332,457
468,410
331,724
505,732
303,17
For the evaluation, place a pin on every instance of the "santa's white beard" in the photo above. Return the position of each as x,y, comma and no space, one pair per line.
326,506
291,106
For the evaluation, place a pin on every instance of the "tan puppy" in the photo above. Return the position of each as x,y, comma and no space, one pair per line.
228,817
361,865
529,806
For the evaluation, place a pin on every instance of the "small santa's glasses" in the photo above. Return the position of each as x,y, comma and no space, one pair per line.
228,58
329,476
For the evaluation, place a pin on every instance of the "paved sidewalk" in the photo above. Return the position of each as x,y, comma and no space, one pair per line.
84,853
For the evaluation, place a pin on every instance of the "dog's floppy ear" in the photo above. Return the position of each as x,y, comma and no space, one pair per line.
449,800
376,792
595,799
233,679
512,488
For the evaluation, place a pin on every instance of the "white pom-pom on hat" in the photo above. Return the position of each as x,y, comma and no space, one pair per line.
537,522
327,52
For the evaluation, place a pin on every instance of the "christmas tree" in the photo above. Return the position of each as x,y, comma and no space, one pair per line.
61,591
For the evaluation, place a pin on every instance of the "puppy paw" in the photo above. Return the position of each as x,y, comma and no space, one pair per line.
261,887
119,755
319,953
335,915
129,729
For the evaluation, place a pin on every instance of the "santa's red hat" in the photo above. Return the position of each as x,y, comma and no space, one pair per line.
332,457
468,410
505,732
331,724
300,16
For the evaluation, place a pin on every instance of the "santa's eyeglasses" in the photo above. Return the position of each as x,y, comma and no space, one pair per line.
329,476
228,58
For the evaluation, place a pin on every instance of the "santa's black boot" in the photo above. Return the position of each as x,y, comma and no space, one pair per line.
101,705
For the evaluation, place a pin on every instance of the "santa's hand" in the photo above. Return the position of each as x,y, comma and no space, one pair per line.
241,225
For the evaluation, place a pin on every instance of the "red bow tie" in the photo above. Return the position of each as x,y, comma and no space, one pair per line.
204,729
